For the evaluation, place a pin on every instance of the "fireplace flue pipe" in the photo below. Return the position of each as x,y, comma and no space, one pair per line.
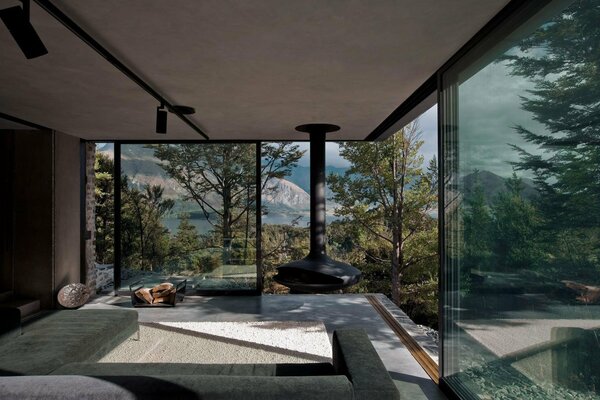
317,272
317,190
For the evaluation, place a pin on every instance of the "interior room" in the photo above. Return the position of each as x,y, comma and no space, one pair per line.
300,200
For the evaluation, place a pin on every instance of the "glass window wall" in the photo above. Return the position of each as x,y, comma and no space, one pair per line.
188,212
521,265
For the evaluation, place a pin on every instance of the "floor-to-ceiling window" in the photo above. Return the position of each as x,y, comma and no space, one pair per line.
521,168
104,217
285,170
188,211
382,214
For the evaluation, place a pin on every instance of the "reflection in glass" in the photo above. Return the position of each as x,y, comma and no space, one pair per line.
521,190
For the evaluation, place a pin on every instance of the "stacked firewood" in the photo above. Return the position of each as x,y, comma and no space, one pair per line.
163,293
588,294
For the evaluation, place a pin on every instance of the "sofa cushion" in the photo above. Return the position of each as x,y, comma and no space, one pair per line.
181,387
62,337
115,369
355,357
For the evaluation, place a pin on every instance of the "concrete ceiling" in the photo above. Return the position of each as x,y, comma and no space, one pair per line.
251,69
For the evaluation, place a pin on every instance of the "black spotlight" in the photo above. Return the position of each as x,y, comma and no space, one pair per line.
16,20
161,119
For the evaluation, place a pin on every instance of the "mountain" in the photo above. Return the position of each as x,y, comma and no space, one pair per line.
301,175
142,168
493,184
106,148
283,193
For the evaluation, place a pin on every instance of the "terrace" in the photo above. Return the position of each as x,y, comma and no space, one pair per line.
146,142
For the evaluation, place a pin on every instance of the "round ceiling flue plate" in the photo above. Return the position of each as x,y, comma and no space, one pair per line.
310,128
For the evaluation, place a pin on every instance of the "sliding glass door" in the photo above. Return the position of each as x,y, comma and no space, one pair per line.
521,167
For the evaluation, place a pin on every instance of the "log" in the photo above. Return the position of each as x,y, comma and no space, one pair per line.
162,290
587,294
170,299
144,295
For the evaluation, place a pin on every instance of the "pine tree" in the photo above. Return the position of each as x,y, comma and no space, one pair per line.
389,195
184,244
145,238
221,180
477,223
516,231
562,59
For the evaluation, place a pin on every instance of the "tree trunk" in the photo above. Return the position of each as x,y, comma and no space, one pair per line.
396,263
226,228
141,227
397,225
247,233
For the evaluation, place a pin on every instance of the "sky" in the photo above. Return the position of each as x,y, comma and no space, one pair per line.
428,122
490,107
490,104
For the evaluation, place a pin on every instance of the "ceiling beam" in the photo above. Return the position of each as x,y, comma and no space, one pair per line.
23,122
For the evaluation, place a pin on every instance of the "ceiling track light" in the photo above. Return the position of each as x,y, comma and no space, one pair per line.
161,119
16,20
78,31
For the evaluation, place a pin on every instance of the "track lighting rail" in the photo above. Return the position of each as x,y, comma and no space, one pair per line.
51,9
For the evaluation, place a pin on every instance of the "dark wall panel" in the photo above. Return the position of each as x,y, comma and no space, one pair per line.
67,203
6,212
33,239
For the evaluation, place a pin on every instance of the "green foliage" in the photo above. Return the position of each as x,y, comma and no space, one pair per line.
504,236
385,199
561,60
477,221
206,262
104,212
558,58
183,245
515,233
145,240
220,179
281,244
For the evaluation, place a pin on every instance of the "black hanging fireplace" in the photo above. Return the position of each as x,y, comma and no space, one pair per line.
317,272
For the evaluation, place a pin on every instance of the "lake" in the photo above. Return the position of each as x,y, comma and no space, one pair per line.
203,226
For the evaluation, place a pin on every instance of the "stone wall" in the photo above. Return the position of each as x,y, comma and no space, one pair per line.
104,277
90,216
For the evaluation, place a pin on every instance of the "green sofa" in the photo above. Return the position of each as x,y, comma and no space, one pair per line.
62,337
65,369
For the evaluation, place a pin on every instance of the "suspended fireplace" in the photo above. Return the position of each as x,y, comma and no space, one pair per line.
317,272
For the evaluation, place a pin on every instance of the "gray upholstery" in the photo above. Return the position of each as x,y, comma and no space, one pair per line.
179,387
10,324
116,369
64,344
355,357
62,337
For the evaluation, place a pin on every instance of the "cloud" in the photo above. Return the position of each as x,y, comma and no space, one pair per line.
428,122
489,108
332,155
489,105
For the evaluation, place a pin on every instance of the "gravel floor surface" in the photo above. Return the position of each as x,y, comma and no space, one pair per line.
226,343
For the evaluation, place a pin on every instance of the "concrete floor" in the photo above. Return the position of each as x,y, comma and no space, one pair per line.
335,311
